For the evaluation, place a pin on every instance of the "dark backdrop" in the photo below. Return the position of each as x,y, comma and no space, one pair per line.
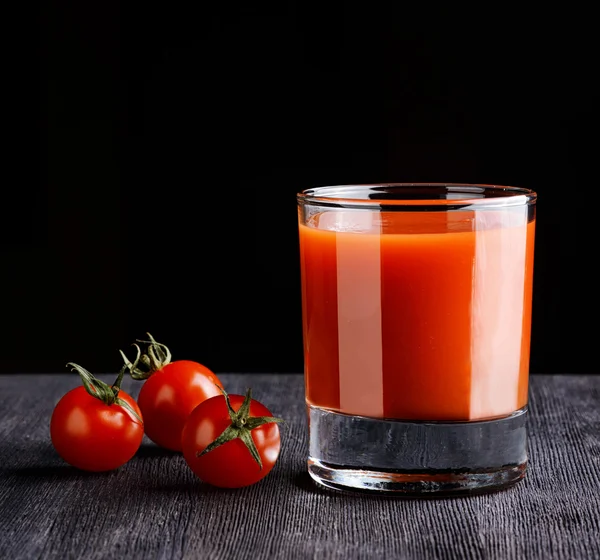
173,138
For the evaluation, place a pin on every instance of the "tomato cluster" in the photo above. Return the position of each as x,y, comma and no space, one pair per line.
228,441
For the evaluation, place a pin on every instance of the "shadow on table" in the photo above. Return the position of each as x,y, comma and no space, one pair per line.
151,451
39,462
41,473
49,466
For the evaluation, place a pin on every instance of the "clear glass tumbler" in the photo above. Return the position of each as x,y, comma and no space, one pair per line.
416,305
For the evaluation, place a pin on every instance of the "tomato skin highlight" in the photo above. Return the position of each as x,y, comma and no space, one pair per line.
170,394
93,436
230,465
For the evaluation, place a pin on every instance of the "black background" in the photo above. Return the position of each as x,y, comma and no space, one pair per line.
174,137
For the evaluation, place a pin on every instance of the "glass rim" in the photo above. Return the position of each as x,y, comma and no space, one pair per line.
463,194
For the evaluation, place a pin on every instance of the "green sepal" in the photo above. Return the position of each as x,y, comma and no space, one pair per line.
128,408
241,427
232,413
108,394
155,357
256,421
244,411
228,434
246,437
95,387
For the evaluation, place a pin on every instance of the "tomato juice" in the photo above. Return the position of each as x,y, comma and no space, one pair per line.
417,315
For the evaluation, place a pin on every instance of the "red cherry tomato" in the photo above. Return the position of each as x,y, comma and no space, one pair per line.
231,463
92,435
171,390
169,395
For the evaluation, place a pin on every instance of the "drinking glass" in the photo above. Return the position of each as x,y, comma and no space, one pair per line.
416,310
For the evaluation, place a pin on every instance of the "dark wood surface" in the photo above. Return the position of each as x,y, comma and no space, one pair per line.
155,508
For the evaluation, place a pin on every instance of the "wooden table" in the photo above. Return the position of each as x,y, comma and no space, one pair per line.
155,508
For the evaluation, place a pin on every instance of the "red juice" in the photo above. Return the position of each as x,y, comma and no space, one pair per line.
417,315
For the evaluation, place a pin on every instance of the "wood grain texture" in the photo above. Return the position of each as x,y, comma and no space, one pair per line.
154,508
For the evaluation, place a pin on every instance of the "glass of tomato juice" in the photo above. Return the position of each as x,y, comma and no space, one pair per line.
416,309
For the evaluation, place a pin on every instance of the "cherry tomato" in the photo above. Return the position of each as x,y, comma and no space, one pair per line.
169,395
171,390
92,434
231,441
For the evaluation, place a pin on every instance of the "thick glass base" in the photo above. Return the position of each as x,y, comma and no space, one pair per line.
360,454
